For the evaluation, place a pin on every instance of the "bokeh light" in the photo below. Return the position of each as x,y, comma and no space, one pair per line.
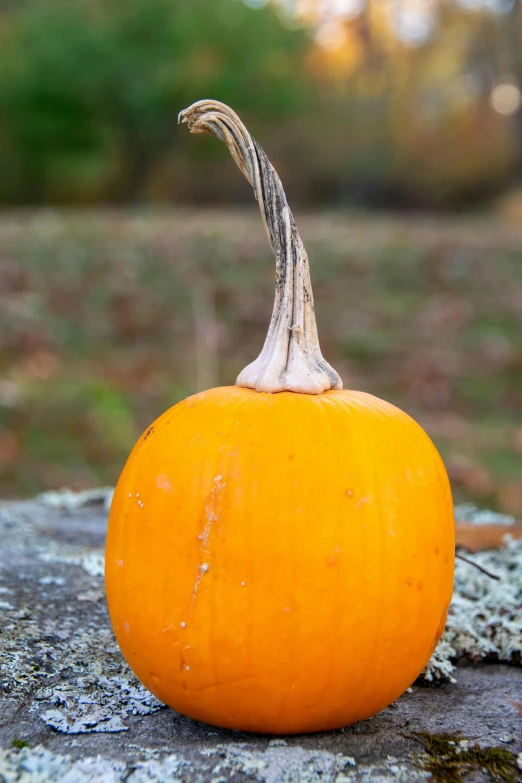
506,98
331,35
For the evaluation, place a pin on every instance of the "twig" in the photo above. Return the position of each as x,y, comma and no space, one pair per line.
480,568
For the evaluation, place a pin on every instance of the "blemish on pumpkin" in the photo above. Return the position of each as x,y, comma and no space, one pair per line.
409,581
195,398
437,550
168,628
291,457
149,432
126,627
183,625
119,563
211,517
349,493
162,482
212,510
363,500
202,570
419,585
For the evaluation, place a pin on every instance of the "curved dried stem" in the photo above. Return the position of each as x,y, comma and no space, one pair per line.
291,358
476,565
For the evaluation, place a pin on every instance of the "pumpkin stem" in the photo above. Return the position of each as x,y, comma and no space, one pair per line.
291,358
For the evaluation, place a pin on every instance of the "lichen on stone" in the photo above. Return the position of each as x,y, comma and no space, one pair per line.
280,763
68,500
39,765
440,665
57,646
468,512
81,675
98,703
221,763
58,650
91,560
485,615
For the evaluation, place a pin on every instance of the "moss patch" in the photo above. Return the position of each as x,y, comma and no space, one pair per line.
449,758
19,743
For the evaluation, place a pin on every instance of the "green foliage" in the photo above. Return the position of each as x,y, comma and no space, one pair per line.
90,89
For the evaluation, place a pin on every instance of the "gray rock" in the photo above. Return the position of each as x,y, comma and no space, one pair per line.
68,693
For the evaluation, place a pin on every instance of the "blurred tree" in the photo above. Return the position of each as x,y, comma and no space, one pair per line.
410,110
513,38
376,102
90,89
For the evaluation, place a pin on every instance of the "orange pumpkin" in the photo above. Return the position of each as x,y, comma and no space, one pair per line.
280,553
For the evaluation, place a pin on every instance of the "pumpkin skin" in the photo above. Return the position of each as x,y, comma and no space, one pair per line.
280,563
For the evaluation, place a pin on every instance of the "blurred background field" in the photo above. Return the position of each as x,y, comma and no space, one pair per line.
133,265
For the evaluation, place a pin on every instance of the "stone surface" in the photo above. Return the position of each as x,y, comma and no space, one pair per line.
68,694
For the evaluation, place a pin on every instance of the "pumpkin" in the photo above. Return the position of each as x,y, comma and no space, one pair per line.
280,552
